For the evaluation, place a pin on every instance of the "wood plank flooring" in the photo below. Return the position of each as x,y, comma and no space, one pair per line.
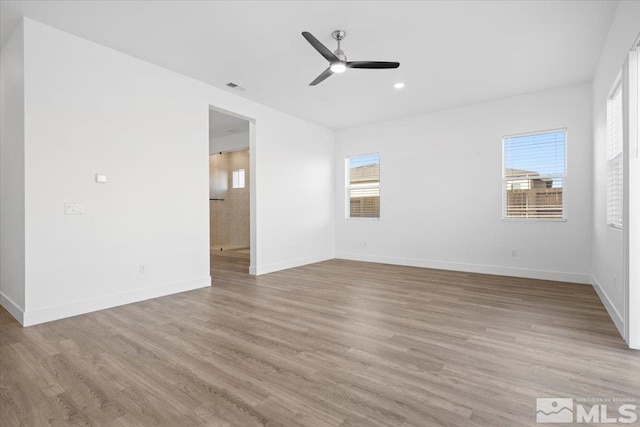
338,343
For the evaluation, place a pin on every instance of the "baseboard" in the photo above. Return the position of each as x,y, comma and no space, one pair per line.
48,314
214,249
14,309
618,320
270,268
559,276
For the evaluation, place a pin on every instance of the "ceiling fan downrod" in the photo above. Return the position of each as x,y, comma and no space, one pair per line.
339,35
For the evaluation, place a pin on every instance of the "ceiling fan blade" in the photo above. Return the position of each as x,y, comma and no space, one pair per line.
324,51
372,65
326,73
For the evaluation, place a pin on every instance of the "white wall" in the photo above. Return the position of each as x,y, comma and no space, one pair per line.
441,197
90,109
631,244
233,142
608,242
632,208
12,220
295,193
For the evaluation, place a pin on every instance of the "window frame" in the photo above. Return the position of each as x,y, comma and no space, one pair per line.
347,198
617,84
565,210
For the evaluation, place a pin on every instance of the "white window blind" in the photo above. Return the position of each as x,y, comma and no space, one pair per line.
238,178
534,171
614,157
363,186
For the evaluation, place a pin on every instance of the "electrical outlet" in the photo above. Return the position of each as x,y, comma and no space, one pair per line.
143,268
73,209
514,253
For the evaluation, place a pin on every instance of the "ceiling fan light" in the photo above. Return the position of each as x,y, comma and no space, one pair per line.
338,67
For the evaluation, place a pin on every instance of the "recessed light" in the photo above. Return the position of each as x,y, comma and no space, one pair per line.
399,85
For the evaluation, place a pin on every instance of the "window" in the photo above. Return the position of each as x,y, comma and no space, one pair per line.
614,156
238,178
363,186
533,175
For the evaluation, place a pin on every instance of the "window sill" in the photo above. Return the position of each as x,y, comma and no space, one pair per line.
534,219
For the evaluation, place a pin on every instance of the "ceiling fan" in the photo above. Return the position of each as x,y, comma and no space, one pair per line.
338,61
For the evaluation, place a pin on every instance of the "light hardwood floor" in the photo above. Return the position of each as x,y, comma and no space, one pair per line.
337,343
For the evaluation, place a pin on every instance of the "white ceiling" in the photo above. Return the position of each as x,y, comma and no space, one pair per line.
221,124
452,53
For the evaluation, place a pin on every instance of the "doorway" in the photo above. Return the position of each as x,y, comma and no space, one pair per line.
229,191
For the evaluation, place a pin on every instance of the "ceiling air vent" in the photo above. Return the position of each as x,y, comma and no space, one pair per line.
235,86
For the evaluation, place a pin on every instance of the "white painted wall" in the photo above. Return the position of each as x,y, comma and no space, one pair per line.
631,245
295,185
90,109
633,206
441,197
608,242
233,142
12,220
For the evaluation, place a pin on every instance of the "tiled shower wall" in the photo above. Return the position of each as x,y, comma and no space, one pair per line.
229,217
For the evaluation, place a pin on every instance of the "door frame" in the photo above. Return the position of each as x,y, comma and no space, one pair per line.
253,235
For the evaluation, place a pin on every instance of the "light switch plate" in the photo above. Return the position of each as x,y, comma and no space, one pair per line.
101,179
73,209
